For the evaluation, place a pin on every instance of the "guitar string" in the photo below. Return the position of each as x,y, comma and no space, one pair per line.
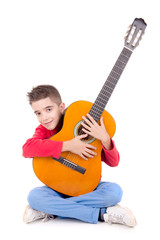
72,157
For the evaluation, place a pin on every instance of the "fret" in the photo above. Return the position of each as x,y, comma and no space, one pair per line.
100,101
99,107
108,89
114,75
119,67
104,93
123,58
113,80
126,52
96,111
107,95
96,115
109,85
105,89
121,61
117,70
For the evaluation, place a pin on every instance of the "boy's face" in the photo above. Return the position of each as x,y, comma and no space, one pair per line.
48,112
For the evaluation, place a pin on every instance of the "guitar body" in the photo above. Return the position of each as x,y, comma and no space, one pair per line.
62,178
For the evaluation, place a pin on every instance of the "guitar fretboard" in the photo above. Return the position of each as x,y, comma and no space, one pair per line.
108,87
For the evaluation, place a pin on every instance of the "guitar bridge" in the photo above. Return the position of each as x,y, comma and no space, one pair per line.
70,164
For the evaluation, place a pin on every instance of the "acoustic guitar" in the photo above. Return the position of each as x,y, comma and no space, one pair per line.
70,174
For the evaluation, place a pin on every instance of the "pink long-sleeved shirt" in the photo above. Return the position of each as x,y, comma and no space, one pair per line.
41,146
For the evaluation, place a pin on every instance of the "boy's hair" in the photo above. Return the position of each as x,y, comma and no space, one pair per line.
44,91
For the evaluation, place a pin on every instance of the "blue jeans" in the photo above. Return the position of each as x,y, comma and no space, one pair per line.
88,207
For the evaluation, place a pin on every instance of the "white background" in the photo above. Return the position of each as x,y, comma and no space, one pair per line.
73,45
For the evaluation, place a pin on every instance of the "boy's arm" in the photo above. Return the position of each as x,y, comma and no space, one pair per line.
39,146
110,154
110,157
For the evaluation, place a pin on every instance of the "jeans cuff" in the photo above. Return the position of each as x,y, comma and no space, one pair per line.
101,212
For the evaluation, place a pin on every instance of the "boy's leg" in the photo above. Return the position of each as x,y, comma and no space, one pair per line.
51,202
84,207
106,194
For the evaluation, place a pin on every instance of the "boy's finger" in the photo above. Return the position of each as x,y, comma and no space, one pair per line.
82,136
91,146
101,120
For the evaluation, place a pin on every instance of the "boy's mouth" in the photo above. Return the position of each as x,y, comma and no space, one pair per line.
48,123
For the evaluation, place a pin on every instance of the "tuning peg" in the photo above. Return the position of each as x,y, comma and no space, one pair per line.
127,32
129,27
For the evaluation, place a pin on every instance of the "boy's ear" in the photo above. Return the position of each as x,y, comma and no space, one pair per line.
62,107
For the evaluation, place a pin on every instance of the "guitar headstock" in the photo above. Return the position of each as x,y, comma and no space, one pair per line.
135,33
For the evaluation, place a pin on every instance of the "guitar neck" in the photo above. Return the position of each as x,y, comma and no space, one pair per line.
108,87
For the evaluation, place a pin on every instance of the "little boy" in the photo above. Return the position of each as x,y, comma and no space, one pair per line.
44,202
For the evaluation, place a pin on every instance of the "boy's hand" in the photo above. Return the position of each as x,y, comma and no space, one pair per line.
80,148
92,128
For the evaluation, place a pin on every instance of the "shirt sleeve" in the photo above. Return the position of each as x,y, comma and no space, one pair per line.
39,146
110,157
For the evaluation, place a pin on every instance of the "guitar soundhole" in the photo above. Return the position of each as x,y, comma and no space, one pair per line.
80,132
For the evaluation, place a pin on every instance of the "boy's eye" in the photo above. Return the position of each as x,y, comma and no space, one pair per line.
49,109
37,114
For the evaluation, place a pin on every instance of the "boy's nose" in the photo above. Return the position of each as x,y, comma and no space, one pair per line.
44,118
